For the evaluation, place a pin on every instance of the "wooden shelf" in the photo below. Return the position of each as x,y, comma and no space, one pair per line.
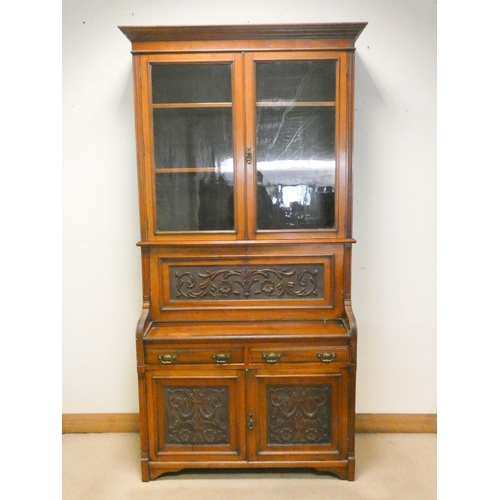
185,170
193,105
266,104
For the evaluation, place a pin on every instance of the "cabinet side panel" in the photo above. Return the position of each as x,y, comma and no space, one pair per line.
139,132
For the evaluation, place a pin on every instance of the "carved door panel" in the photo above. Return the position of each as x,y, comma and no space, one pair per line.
196,415
298,416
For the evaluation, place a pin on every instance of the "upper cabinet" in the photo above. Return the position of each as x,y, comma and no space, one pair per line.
247,144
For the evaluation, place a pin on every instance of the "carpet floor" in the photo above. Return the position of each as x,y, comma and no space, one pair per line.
388,467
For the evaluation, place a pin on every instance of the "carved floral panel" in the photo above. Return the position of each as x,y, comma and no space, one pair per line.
295,281
299,414
196,415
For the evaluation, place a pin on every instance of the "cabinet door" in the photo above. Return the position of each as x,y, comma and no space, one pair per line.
296,109
196,415
298,417
193,147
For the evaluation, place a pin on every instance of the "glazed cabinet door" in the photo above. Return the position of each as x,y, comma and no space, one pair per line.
296,108
298,416
191,146
196,415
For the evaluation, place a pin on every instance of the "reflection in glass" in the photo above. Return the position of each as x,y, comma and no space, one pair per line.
194,151
194,201
296,144
296,80
192,137
295,167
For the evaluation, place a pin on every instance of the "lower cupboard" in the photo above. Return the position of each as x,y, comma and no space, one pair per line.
224,416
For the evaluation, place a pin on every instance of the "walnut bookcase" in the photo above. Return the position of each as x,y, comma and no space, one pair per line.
246,346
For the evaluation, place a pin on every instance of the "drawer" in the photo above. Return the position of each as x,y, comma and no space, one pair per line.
310,354
172,355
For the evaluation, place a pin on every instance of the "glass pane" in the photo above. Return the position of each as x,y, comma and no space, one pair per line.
296,80
194,137
194,201
177,83
295,167
195,145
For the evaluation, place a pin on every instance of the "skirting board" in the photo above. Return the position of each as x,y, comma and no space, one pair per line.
365,422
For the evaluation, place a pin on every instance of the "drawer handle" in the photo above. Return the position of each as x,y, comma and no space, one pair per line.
272,357
221,358
167,359
327,357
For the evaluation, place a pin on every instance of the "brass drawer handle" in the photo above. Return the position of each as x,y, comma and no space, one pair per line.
272,357
327,357
167,359
221,358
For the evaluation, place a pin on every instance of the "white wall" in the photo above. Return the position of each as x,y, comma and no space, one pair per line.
394,267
